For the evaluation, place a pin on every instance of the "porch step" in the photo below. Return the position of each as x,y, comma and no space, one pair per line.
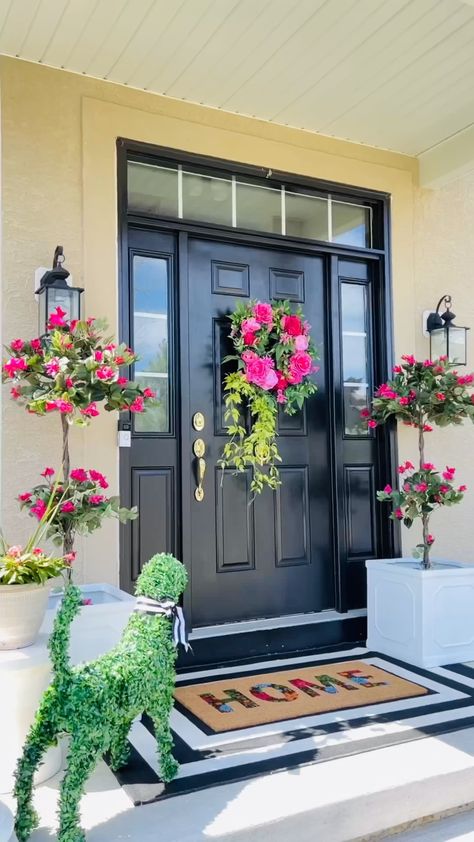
250,641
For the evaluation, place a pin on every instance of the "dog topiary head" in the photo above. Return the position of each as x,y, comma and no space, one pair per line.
163,576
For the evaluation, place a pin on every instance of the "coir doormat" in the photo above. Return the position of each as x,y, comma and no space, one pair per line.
275,696
232,723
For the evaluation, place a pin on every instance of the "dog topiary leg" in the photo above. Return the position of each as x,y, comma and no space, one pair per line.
119,751
81,760
160,713
41,736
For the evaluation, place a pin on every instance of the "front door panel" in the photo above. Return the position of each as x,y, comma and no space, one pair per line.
273,555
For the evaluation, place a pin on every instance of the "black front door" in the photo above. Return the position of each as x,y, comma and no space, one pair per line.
304,547
273,555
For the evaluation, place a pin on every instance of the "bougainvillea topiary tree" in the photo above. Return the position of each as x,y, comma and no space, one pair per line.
70,371
275,358
420,394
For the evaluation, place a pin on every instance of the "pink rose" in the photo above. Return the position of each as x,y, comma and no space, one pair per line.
281,398
301,365
36,345
250,325
48,472
301,342
24,498
137,405
68,507
249,338
105,372
263,313
421,487
90,411
96,476
388,489
292,325
98,356
261,371
38,509
149,393
409,358
96,499
398,514
17,345
16,364
65,406
79,475
372,424
248,355
56,319
121,381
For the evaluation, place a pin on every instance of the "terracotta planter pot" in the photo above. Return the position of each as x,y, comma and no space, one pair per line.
22,610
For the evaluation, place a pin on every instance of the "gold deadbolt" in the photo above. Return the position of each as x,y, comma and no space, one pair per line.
199,448
198,421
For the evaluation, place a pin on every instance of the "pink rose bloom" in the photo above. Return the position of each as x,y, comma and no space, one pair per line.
137,405
365,413
248,355
96,499
250,325
48,472
149,393
409,358
430,539
36,345
428,466
281,397
38,509
79,475
263,313
301,364
261,371
397,369
90,411
444,489
70,557
306,327
398,514
292,325
427,363
301,342
121,381
56,319
372,424
249,338
96,476
68,507
25,497
53,366
421,487
16,364
17,345
462,489
65,406
105,372
388,489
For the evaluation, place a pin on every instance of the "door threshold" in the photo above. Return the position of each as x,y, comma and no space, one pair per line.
288,621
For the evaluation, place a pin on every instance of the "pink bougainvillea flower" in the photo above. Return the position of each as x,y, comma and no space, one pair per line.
79,475
14,365
448,474
105,372
15,393
421,487
301,342
25,496
98,356
119,360
69,383
292,325
409,358
56,319
87,601
388,489
462,489
53,366
398,514
397,369
15,551
444,489
96,476
17,345
122,381
427,363
281,397
96,499
50,406
48,472
149,393
440,396
38,509
263,313
36,345
250,325
365,413
69,558
430,539
406,487
427,428
371,423
90,411
404,401
68,507
428,466
137,405
65,407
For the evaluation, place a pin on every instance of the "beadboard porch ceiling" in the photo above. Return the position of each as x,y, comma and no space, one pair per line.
393,74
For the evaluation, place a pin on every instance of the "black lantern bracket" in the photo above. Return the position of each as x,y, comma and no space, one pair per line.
435,320
54,290
446,338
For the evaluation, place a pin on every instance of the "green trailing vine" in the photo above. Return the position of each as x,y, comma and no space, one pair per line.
275,358
95,703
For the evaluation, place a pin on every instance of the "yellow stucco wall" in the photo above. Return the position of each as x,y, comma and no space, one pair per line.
59,186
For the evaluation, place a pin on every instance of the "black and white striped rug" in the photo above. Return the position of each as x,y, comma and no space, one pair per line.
209,759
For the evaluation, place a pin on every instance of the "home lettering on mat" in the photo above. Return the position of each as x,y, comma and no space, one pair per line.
268,692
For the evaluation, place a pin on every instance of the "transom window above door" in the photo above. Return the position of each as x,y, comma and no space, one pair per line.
176,192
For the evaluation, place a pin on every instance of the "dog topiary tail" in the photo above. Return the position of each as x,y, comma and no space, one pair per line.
60,636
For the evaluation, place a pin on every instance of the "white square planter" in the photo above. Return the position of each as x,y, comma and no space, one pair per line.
424,617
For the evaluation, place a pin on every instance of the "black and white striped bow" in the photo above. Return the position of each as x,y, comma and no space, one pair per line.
167,608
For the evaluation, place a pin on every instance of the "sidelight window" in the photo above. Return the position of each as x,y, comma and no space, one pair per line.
150,279
355,356
172,191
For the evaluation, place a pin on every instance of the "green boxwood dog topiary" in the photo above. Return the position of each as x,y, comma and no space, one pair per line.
96,703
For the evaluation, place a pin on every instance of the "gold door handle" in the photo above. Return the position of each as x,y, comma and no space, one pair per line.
201,470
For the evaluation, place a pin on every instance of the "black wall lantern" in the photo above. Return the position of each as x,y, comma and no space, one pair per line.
54,291
446,338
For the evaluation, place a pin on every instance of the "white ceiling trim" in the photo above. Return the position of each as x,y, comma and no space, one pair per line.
449,160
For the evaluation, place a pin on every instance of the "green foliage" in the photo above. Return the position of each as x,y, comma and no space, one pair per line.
274,358
96,703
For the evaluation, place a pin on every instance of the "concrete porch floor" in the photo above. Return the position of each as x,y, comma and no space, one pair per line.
351,798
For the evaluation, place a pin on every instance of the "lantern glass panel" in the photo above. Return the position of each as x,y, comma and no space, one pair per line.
65,297
438,343
457,345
